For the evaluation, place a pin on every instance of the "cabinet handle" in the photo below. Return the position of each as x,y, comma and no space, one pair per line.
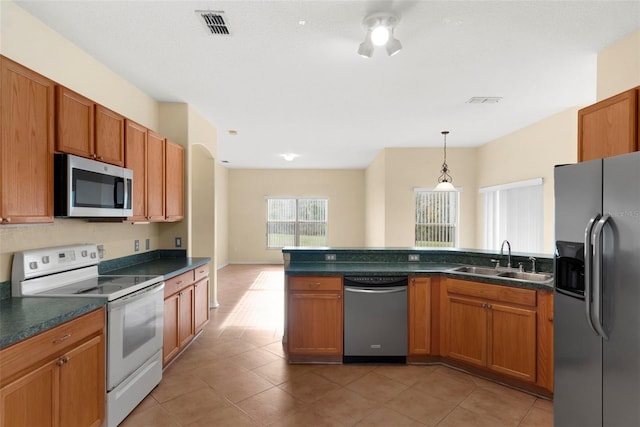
550,319
62,338
100,158
314,285
60,362
339,296
201,271
179,282
93,156
65,359
7,220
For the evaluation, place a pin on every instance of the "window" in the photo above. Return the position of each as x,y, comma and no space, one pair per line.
513,212
296,222
437,218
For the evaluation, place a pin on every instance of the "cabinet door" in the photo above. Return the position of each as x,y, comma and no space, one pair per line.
82,385
608,128
135,159
170,343
75,123
174,182
315,323
109,138
31,400
419,316
512,341
185,315
26,145
201,304
155,176
545,340
466,338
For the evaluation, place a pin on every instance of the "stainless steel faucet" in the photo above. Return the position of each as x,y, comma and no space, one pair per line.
502,252
533,264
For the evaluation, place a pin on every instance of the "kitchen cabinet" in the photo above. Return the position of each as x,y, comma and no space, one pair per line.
491,326
609,127
158,175
314,319
27,108
86,129
186,310
56,378
136,160
174,182
155,176
419,316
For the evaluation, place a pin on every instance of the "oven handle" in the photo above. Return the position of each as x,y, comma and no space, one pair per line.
392,290
142,293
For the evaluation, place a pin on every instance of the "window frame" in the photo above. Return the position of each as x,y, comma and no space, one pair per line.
431,190
297,222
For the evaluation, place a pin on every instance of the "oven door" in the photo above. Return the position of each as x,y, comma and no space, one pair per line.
134,332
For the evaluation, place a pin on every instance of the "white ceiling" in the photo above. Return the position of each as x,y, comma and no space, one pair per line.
287,87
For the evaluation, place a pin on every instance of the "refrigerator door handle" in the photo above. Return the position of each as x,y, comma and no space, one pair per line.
588,276
596,237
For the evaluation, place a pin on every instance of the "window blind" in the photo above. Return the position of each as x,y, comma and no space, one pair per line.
436,222
296,222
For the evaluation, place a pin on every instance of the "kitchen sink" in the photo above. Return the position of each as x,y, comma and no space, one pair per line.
529,277
480,271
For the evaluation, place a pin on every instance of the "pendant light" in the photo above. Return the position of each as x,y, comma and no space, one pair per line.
445,180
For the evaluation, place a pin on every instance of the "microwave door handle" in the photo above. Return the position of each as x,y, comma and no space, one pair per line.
125,202
588,254
596,236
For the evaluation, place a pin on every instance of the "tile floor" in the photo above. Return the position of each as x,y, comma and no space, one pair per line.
235,374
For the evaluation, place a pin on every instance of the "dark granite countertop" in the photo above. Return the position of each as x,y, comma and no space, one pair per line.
167,267
21,318
400,269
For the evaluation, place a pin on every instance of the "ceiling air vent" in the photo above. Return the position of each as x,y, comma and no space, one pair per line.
484,100
214,21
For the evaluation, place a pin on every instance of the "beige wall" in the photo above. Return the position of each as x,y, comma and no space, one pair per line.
410,168
29,42
375,201
528,153
222,216
247,207
619,66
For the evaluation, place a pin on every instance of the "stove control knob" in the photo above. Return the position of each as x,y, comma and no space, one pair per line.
33,265
45,260
84,254
93,255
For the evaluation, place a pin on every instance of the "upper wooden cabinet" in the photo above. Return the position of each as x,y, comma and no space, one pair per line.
609,127
26,145
87,129
155,176
174,182
136,160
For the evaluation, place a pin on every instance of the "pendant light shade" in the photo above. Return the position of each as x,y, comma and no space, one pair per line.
445,180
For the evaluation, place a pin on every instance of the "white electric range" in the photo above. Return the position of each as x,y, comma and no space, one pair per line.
134,315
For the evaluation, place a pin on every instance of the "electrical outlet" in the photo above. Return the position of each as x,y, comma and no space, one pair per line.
147,244
178,242
100,251
414,257
136,245
329,257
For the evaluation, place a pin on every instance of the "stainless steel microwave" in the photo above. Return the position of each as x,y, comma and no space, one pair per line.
85,188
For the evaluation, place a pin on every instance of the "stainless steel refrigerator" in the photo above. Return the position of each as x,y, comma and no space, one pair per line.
597,293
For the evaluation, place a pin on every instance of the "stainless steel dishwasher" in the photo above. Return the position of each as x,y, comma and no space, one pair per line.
375,319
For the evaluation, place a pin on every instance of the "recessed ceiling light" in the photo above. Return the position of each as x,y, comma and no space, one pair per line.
233,132
302,22
484,100
289,156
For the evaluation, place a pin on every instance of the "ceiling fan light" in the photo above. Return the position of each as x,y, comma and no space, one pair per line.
380,35
393,46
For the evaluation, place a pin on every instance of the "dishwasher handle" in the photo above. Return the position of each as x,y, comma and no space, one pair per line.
392,290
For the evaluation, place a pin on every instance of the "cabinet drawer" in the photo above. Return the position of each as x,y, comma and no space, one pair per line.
506,294
201,272
315,283
49,344
173,285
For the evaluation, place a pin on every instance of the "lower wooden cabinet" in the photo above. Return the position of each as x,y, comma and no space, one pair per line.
419,316
56,378
186,310
493,327
314,319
